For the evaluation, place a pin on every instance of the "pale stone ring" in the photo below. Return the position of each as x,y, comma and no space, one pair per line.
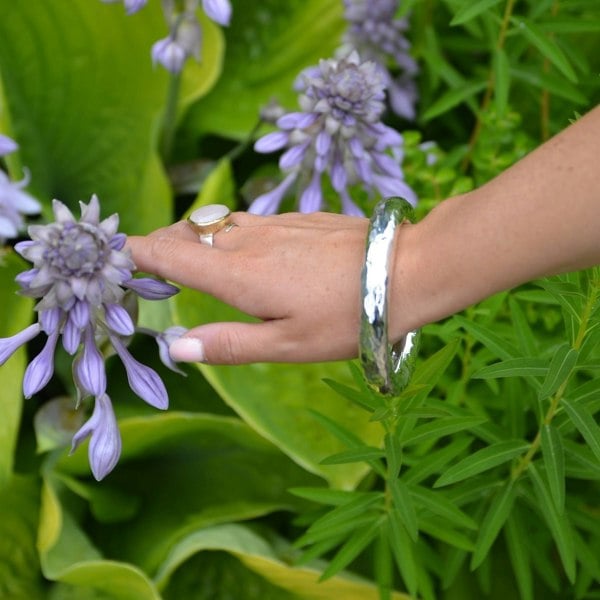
208,220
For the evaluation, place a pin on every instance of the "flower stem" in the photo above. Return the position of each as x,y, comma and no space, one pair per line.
169,121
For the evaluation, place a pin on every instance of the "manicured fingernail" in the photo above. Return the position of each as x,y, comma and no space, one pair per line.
187,349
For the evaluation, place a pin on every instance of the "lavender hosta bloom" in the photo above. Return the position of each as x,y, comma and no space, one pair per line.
105,442
218,11
131,6
339,133
82,277
378,36
7,145
14,203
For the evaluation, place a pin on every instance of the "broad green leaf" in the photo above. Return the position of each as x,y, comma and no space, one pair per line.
501,80
452,98
262,61
548,48
278,400
261,558
558,524
514,367
85,112
554,461
469,10
19,311
518,552
20,577
493,522
483,460
440,428
559,370
215,468
585,423
437,503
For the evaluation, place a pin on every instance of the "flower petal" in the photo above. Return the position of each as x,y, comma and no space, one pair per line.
9,345
151,289
41,368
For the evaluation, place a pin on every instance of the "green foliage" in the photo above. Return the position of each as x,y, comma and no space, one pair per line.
287,482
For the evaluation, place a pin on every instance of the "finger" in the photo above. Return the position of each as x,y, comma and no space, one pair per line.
237,343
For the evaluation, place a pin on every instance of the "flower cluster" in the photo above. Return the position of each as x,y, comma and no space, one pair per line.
339,133
83,279
378,36
14,202
185,35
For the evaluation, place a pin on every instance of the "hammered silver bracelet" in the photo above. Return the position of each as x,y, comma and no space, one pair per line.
387,367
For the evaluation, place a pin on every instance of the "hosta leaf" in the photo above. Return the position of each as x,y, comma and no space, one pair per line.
483,460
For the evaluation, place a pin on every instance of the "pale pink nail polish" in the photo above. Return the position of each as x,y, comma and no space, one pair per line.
187,349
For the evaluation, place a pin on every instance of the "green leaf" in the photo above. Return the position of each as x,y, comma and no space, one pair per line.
442,530
469,10
482,460
366,401
546,46
559,86
489,338
429,371
580,461
452,98
403,504
558,524
19,311
214,466
433,462
528,341
86,115
403,551
559,370
262,62
518,552
279,401
440,428
20,577
359,540
514,367
325,495
585,423
362,454
438,504
493,522
501,80
554,461
260,557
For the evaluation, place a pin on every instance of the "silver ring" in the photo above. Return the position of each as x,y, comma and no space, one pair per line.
387,367
208,220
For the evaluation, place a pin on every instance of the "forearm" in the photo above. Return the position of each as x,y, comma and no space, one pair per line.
540,217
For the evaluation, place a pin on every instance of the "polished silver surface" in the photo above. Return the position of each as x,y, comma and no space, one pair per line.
387,367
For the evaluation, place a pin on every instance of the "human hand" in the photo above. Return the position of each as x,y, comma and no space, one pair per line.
298,273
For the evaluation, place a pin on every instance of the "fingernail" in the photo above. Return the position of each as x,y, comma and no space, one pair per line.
187,349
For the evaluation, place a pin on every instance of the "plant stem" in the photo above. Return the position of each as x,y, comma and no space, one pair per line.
487,97
169,121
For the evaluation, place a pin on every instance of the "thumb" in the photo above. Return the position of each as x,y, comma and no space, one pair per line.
230,343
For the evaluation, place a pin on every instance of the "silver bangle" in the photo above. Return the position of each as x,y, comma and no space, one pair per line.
387,367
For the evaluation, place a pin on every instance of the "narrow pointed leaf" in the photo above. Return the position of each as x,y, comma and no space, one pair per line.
501,80
362,454
403,551
483,460
452,98
493,522
433,462
441,427
558,524
518,552
490,339
360,398
469,10
442,530
585,423
437,503
514,367
560,368
405,507
554,461
324,495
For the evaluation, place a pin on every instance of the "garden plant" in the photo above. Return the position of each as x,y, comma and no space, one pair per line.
126,476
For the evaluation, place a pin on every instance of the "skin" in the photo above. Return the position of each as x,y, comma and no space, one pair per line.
300,274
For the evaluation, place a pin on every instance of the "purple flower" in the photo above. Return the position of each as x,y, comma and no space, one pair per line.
7,145
14,203
338,133
217,10
82,277
131,6
378,36
170,54
105,443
